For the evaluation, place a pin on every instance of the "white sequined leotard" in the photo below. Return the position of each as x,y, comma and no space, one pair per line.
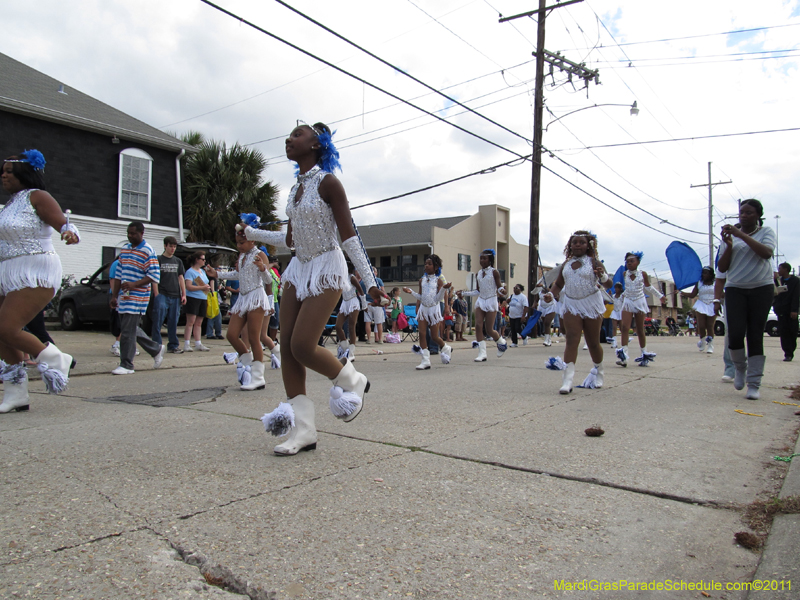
705,300
487,291
580,295
319,262
635,301
252,280
429,299
27,257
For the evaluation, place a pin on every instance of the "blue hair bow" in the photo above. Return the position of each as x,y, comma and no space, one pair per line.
250,219
35,159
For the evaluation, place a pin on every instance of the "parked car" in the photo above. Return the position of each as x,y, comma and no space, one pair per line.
771,328
87,301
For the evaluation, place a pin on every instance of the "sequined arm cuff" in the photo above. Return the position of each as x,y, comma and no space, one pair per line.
70,227
355,252
440,295
471,293
231,275
263,236
654,292
417,295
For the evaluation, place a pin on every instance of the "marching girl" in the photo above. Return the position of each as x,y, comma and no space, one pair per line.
581,305
704,309
348,311
489,285
429,314
634,308
548,310
249,311
313,281
616,314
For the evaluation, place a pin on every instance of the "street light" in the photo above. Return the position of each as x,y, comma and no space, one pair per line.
634,110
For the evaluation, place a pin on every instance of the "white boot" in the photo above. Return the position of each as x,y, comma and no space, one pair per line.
426,360
701,344
502,346
243,368
709,345
341,352
566,379
622,356
257,381
445,354
614,343
347,393
547,341
481,352
275,357
15,388
600,377
303,435
54,366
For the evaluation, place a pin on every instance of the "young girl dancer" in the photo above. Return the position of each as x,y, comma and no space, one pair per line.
634,307
548,310
348,311
249,310
616,314
581,304
489,285
312,283
429,314
704,309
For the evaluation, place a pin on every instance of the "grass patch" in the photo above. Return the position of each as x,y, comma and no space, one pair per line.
759,515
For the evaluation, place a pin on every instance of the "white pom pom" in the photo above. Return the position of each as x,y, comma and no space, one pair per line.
54,380
275,362
343,404
591,380
280,420
555,363
239,227
230,357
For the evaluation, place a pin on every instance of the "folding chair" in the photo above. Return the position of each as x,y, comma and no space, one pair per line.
330,329
412,331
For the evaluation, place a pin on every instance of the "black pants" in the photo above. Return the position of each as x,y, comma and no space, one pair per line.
787,329
746,311
516,329
37,328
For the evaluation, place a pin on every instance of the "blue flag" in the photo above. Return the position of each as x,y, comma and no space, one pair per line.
684,264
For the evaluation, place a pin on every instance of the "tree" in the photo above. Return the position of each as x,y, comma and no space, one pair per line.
222,182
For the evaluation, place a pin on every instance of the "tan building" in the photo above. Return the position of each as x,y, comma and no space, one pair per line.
399,250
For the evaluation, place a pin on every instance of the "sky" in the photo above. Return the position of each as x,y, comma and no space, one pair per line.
707,91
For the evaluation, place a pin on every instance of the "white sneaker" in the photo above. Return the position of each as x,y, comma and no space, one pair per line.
727,379
187,347
525,342
585,346
122,371
201,348
115,350
159,358
512,345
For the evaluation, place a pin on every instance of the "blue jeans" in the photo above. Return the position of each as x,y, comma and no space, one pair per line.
214,326
169,308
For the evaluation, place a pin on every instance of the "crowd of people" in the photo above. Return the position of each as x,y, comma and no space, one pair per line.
320,280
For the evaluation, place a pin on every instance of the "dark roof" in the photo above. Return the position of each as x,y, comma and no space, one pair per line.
406,232
26,91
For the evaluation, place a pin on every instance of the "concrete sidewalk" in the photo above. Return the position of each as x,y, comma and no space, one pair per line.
465,481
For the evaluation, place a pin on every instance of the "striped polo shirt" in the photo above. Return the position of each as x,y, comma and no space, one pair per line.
135,264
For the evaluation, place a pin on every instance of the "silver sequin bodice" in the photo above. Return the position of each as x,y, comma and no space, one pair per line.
705,293
430,290
349,292
581,282
634,290
313,227
486,284
22,232
249,276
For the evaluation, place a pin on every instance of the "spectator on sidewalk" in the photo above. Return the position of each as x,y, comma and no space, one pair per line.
196,301
138,270
786,305
169,296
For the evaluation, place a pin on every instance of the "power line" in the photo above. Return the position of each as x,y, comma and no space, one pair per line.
356,77
685,139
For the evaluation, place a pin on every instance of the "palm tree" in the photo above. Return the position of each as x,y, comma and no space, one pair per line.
222,182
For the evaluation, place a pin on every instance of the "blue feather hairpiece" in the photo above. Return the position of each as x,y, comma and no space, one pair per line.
638,254
329,161
488,251
34,158
250,219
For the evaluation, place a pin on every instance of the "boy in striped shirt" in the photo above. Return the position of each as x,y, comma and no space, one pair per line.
138,269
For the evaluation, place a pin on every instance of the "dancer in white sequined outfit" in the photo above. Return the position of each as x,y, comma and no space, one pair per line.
248,312
635,308
581,306
704,309
30,275
548,310
312,284
348,312
429,314
489,285
616,313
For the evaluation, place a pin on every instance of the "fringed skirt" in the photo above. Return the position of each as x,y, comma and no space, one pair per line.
487,305
704,309
431,314
325,272
636,306
616,315
252,300
591,307
350,306
34,271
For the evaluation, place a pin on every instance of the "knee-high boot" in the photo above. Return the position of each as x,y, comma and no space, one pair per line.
54,366
755,371
347,393
15,388
300,418
739,358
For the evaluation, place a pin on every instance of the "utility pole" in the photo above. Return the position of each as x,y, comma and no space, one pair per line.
559,62
710,215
